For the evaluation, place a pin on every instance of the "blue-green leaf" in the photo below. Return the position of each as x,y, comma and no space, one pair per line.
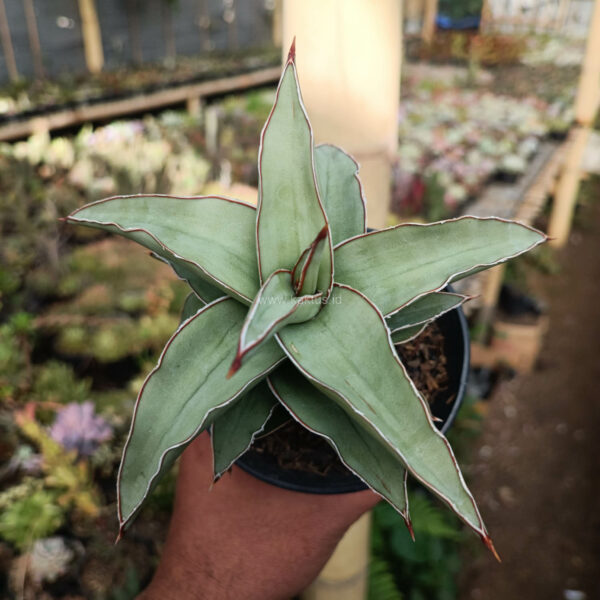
425,309
361,451
191,306
341,192
185,391
290,214
209,238
204,291
406,334
346,351
394,266
275,306
234,431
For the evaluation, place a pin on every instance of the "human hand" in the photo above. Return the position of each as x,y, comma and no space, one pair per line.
245,538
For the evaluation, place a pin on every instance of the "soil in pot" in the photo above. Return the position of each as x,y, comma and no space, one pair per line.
290,451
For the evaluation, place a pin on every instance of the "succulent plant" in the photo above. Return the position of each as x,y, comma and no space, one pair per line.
77,427
297,293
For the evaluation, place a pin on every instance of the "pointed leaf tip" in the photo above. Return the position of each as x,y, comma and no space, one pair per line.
292,53
235,367
487,540
409,526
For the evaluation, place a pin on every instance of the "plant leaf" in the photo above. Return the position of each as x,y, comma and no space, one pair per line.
203,290
347,353
234,431
275,306
425,309
362,452
306,271
191,306
401,336
208,237
396,265
183,393
341,192
290,214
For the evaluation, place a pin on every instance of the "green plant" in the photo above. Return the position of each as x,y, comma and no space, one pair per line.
30,518
322,339
70,479
425,568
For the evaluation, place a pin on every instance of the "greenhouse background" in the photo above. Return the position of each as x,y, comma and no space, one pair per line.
497,115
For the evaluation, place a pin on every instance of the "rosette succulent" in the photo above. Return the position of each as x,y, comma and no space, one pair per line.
295,303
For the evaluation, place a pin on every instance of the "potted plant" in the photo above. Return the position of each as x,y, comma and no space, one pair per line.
295,304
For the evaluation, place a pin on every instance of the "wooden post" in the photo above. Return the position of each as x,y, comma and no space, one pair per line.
489,299
92,38
586,107
34,39
351,90
567,188
431,8
344,577
561,14
7,46
486,16
194,106
413,10
278,24
349,57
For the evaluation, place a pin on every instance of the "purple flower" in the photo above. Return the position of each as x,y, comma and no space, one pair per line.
77,427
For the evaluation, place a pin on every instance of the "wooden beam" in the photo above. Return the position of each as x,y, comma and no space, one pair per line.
141,104
344,577
492,282
565,197
486,16
92,37
34,39
586,107
428,30
277,31
588,91
7,46
351,100
349,60
194,106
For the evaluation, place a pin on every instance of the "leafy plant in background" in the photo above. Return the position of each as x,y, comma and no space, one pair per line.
401,568
295,292
420,569
16,336
69,478
30,517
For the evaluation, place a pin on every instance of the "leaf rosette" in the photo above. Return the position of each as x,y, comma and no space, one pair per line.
295,303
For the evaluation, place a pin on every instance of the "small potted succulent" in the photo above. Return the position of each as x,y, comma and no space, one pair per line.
294,304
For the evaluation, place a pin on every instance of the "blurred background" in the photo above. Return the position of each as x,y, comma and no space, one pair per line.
483,107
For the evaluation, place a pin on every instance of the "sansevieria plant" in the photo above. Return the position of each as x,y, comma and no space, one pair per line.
294,303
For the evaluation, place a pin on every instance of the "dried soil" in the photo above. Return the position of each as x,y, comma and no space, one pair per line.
536,471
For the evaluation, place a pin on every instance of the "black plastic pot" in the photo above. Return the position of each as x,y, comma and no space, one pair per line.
456,348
